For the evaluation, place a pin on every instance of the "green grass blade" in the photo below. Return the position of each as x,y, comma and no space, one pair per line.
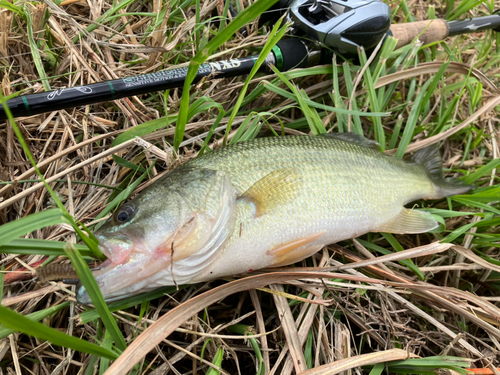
485,195
13,8
277,34
482,171
312,117
107,343
463,7
219,356
356,126
103,19
143,129
251,119
216,123
395,133
260,89
37,59
248,330
429,365
308,354
128,164
459,231
373,100
28,224
32,246
36,317
405,262
95,294
90,367
90,315
377,369
329,108
397,246
474,203
18,322
249,14
337,99
411,123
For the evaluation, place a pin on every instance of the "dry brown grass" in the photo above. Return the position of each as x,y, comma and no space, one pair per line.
372,306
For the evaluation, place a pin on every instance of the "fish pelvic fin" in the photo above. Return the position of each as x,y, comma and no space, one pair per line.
409,221
276,188
429,159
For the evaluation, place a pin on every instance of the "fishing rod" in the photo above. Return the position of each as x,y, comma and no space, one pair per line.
285,55
342,25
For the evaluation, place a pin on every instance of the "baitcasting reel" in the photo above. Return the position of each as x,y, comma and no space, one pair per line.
343,25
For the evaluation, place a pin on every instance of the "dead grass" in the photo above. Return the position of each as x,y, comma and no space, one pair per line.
376,305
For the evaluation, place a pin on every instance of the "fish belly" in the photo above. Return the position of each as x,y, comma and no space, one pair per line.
334,204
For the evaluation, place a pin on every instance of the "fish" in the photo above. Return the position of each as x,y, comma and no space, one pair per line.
268,202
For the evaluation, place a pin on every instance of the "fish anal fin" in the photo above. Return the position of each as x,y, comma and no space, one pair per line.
409,221
296,250
276,188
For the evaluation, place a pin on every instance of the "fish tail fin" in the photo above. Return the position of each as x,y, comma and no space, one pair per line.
430,160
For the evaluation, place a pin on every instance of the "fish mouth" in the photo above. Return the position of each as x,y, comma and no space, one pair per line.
118,281
117,249
128,269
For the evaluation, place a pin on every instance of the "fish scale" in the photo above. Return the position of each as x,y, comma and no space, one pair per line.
264,203
338,196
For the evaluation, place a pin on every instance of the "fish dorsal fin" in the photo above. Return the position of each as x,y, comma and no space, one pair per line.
355,138
276,188
409,221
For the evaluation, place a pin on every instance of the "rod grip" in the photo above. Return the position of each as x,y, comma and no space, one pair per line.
426,31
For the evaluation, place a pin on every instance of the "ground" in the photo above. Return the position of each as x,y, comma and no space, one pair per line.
433,295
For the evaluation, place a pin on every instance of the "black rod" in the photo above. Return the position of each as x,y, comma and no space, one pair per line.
33,104
286,54
474,25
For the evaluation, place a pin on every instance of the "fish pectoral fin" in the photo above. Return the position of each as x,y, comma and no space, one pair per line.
293,251
278,187
409,221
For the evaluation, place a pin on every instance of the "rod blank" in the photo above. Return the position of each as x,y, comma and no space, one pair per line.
286,55
28,105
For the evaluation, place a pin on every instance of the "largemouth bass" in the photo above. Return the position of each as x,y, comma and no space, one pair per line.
268,202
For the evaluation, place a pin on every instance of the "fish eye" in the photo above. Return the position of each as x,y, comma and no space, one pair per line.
124,214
